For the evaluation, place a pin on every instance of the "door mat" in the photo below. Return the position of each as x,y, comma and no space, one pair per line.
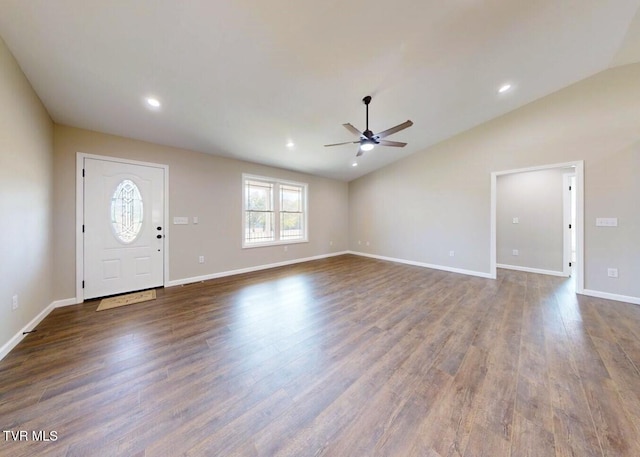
128,299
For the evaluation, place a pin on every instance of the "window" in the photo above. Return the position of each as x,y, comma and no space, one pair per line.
126,211
259,220
274,211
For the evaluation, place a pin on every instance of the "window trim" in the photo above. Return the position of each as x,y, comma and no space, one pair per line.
276,182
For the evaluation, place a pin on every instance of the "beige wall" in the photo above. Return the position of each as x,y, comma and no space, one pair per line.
536,199
26,173
199,185
438,200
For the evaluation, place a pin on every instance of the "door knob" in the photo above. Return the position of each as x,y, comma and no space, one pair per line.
158,228
159,236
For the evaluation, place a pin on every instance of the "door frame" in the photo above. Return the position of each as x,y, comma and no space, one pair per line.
80,215
567,210
578,166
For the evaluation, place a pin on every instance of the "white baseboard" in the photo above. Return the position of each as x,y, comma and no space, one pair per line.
222,274
13,342
609,296
532,270
425,265
65,302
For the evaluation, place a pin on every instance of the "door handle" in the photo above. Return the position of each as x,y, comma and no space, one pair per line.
158,228
158,236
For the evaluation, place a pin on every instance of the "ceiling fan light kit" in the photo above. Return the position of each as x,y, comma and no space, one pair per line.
368,139
367,146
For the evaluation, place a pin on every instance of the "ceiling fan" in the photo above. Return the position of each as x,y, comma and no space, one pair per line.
368,139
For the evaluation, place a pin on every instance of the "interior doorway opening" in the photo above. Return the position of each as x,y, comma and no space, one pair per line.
573,247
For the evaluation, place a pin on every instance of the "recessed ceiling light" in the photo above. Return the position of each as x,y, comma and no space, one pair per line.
504,88
354,164
153,102
290,144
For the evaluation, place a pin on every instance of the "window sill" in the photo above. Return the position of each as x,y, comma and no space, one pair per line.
273,243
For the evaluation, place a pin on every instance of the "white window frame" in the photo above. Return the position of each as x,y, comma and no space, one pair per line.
275,182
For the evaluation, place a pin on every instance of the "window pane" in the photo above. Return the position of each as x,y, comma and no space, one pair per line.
291,226
259,227
259,196
290,198
126,211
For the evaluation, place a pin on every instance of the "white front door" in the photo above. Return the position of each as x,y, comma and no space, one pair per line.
123,227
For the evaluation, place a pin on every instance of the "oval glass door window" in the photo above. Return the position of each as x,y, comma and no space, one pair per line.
126,211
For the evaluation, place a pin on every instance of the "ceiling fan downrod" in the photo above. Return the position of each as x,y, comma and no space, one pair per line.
368,133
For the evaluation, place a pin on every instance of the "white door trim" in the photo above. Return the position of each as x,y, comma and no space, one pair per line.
566,220
579,171
80,215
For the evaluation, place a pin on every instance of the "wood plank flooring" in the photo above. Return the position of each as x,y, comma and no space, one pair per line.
346,356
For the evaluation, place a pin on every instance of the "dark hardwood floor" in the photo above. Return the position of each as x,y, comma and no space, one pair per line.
346,356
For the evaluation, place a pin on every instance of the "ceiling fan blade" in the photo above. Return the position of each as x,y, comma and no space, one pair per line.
360,152
340,144
395,129
395,144
352,129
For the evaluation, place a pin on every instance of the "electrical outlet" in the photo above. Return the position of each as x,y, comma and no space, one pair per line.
330,243
286,248
201,259
516,220
14,302
367,243
451,253
612,272
515,252
195,219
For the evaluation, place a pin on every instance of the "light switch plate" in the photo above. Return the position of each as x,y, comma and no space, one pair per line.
180,220
606,222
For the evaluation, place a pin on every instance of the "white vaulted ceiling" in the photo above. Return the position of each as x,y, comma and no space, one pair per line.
241,78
